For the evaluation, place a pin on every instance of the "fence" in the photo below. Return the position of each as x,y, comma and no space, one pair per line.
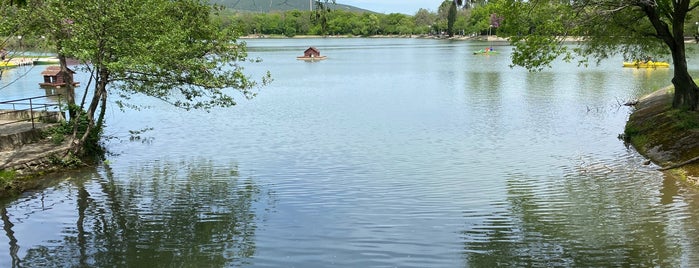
29,109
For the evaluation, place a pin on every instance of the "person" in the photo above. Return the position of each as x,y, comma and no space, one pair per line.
3,54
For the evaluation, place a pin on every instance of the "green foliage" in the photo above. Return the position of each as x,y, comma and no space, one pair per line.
57,134
538,28
451,19
276,5
339,22
635,136
684,119
343,22
176,51
634,29
67,161
6,177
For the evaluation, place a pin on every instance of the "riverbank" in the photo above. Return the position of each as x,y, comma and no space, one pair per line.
29,151
668,137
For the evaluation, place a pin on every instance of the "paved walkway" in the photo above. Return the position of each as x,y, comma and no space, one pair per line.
28,152
17,127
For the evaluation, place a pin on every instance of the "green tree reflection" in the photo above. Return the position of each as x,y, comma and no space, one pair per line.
592,218
187,214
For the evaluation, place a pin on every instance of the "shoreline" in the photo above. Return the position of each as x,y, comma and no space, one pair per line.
491,38
667,137
417,36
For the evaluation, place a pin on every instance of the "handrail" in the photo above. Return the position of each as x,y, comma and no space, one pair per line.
32,107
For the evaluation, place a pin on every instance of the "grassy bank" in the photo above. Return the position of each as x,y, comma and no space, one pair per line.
668,137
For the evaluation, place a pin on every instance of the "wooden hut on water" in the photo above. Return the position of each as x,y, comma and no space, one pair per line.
311,53
53,77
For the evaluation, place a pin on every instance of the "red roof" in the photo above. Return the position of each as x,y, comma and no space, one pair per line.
312,50
53,71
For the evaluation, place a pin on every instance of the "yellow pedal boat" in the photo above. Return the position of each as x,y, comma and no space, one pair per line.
646,64
7,64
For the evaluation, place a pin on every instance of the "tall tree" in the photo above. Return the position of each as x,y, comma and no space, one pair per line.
633,28
451,18
320,14
172,50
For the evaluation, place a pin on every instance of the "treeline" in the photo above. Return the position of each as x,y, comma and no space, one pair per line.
478,17
340,22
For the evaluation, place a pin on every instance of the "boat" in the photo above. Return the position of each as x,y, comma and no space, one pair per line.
14,62
46,60
486,51
646,64
7,64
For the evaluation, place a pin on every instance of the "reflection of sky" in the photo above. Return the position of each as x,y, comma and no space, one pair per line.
51,212
385,153
21,82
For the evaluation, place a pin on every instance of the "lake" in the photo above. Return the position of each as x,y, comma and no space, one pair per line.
390,153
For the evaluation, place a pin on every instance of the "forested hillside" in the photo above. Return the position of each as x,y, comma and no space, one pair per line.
340,22
265,6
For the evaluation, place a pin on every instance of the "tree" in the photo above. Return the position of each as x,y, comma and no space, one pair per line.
172,50
391,23
17,2
370,24
320,14
424,19
451,18
633,28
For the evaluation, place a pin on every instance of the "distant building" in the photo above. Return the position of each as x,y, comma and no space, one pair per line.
53,77
311,53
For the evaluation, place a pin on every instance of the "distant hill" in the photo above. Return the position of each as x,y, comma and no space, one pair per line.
266,6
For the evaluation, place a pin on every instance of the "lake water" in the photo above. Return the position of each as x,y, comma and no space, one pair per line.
390,153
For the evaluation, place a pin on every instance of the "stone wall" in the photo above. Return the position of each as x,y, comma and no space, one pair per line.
54,158
13,141
14,134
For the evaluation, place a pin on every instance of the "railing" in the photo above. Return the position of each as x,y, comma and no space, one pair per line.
29,106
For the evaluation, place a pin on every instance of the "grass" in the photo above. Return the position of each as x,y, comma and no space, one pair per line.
684,120
7,177
665,135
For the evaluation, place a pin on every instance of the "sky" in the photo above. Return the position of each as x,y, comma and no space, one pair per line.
408,7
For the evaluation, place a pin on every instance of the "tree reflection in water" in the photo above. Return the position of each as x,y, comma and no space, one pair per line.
165,215
588,218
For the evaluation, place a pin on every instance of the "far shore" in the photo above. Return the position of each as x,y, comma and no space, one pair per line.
491,38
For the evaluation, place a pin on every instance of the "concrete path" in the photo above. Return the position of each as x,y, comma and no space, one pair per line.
17,127
26,153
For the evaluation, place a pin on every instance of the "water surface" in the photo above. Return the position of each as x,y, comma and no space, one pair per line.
390,153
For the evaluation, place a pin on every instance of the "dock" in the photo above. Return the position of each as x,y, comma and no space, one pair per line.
25,61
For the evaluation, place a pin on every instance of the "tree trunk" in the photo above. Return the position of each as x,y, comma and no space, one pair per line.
100,95
686,90
70,87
